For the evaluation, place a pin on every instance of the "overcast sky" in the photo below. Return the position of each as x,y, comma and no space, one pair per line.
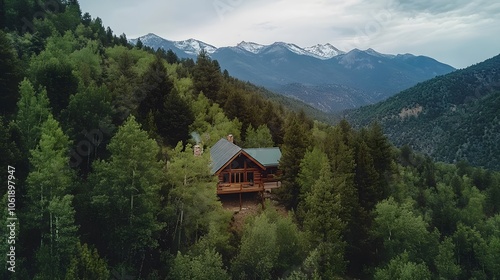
456,32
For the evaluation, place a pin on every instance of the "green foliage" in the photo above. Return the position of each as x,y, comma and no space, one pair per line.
87,265
325,230
149,208
259,251
401,268
212,123
33,111
454,116
293,150
9,75
402,231
53,70
193,203
445,261
126,194
51,214
208,266
171,116
206,76
258,138
271,246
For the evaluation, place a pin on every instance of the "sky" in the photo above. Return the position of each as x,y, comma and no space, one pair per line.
456,32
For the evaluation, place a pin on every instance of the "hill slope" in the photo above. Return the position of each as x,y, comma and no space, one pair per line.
452,117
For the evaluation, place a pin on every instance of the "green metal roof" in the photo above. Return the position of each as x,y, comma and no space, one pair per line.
222,152
266,156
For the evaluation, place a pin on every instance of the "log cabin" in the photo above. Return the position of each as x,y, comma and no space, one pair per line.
242,170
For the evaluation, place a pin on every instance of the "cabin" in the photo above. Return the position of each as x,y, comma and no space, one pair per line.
242,170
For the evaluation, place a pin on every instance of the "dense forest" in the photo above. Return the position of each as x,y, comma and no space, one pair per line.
96,140
451,118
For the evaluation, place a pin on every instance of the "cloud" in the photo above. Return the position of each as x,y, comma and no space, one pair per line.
425,27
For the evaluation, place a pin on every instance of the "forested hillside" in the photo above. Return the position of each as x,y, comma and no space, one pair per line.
451,118
101,182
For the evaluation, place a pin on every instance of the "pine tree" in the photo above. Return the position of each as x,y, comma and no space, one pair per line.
366,178
293,150
174,119
9,75
322,222
172,115
206,76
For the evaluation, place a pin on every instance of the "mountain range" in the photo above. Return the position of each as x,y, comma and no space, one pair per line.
451,118
323,76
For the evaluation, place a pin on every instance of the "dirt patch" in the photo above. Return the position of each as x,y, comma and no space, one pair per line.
408,112
251,205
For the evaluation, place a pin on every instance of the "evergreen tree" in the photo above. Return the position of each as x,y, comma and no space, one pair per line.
56,75
172,115
206,76
323,224
171,57
173,121
9,75
366,178
293,150
139,45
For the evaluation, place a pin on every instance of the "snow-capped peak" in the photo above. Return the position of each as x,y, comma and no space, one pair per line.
326,51
250,47
150,38
293,48
194,47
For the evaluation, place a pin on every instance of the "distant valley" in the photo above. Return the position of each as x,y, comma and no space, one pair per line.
451,118
322,76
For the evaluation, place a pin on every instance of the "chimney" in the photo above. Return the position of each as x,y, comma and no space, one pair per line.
197,151
230,138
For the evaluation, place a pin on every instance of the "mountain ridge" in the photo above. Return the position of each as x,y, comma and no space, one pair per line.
331,74
451,118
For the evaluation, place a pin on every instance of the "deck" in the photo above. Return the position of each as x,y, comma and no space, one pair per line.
239,188
225,188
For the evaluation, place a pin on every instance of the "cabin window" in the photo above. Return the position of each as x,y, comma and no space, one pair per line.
237,177
250,177
225,177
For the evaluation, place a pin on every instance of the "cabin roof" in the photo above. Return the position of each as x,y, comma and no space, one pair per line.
221,153
266,156
224,151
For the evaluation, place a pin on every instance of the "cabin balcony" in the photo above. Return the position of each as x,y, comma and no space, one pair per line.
227,188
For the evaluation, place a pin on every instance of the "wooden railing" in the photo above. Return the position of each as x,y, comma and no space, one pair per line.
225,188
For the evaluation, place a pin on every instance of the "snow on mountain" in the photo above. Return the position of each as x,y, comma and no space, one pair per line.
149,39
194,47
190,46
293,48
375,53
250,47
326,51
